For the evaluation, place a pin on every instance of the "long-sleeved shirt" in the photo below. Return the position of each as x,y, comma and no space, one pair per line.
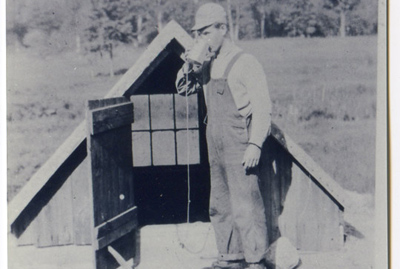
246,81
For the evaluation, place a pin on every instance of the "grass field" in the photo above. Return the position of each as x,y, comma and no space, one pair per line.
323,93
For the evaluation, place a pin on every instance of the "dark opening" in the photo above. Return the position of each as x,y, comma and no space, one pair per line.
161,194
159,134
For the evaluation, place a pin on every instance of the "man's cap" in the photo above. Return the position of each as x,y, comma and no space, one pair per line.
208,14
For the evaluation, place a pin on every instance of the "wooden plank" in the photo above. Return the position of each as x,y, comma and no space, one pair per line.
114,223
99,103
105,119
55,221
54,224
330,223
111,163
309,166
297,214
29,237
82,204
111,170
46,181
115,234
310,219
45,234
114,215
126,246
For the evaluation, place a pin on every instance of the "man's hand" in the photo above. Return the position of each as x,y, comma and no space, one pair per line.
190,66
251,156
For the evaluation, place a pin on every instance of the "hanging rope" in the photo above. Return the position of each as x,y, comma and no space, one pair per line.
188,177
187,150
184,246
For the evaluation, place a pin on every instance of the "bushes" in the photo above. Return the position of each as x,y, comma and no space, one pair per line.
310,18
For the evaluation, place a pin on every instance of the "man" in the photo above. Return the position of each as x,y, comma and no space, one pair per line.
238,121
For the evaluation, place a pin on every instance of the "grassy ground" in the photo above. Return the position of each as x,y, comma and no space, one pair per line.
324,94
46,96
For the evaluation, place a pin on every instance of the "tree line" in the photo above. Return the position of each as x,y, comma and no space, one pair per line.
139,20
101,25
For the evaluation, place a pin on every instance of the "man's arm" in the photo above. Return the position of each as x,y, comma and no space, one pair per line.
187,81
251,76
254,80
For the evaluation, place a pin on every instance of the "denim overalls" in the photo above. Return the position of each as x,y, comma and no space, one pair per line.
236,205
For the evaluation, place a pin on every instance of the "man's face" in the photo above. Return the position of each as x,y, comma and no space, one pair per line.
212,36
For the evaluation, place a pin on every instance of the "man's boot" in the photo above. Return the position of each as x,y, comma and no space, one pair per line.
258,265
228,264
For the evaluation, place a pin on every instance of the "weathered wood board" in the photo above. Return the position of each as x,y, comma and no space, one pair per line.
81,204
55,221
305,207
66,218
309,218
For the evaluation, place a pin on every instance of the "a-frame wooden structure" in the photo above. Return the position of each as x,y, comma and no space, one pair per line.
304,203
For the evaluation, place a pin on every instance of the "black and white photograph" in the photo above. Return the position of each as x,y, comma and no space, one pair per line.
196,134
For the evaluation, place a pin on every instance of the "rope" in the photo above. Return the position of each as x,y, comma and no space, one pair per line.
187,150
191,251
188,179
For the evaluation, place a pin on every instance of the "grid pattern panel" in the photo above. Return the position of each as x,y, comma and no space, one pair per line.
163,133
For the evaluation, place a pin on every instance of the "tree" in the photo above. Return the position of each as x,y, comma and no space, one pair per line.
160,9
230,20
140,11
24,16
151,16
240,19
363,20
74,6
342,7
182,11
261,6
270,16
238,15
112,23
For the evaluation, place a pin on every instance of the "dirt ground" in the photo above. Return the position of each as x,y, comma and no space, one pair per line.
192,246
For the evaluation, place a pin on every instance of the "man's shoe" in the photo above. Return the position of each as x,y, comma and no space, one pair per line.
228,265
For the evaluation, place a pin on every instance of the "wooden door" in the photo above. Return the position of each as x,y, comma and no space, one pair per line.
114,221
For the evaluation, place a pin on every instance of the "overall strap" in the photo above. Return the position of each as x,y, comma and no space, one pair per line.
231,63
